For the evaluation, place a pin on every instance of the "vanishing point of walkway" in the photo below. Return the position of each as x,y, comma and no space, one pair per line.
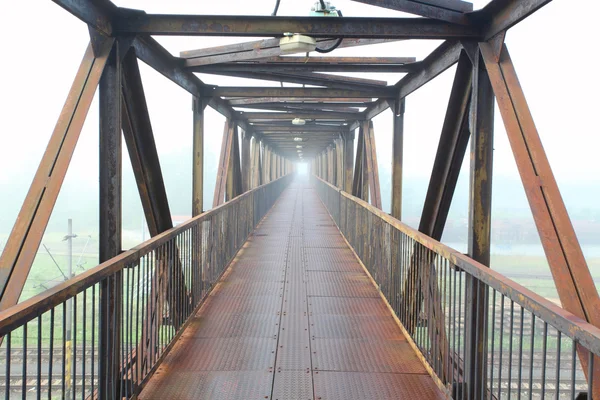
295,317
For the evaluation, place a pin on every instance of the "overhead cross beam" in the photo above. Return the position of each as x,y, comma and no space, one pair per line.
316,79
445,10
258,50
306,67
274,116
250,91
500,15
260,26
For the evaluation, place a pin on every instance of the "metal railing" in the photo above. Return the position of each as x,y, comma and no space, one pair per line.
126,312
481,335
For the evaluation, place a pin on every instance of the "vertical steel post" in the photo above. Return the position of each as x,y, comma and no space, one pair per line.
246,165
397,158
110,225
480,209
198,157
348,160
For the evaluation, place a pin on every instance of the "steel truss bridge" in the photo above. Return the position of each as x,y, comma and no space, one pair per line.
292,287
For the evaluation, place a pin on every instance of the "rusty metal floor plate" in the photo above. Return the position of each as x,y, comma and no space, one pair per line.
355,385
295,317
209,385
360,355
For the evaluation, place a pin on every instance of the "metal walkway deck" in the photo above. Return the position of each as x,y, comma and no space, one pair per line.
295,317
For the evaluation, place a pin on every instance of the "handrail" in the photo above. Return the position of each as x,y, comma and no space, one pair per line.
115,323
475,329
50,298
577,328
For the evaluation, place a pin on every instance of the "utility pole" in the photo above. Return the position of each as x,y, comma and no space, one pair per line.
69,317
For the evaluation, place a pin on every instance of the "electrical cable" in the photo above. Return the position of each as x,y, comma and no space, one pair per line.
276,8
336,44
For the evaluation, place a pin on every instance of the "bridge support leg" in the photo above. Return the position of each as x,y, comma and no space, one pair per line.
397,158
110,226
198,157
246,164
256,176
137,131
568,266
360,185
234,172
348,160
479,243
229,180
371,163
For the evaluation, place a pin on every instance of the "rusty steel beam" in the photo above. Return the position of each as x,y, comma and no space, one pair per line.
110,218
573,280
256,164
300,128
139,137
371,164
442,58
433,65
246,162
316,79
500,15
450,154
480,217
288,116
26,235
353,112
238,101
261,26
348,138
223,166
445,11
261,49
234,174
96,13
279,61
198,106
360,183
152,53
397,158
231,91
307,67
574,283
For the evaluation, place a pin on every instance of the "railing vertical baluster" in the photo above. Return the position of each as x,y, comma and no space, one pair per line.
510,347
493,332
64,349
74,347
51,357
501,345
590,391
520,363
7,366
531,356
83,354
573,367
544,348
93,342
558,347
39,359
464,336
24,366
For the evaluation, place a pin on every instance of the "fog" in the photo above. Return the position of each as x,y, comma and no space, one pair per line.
43,45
